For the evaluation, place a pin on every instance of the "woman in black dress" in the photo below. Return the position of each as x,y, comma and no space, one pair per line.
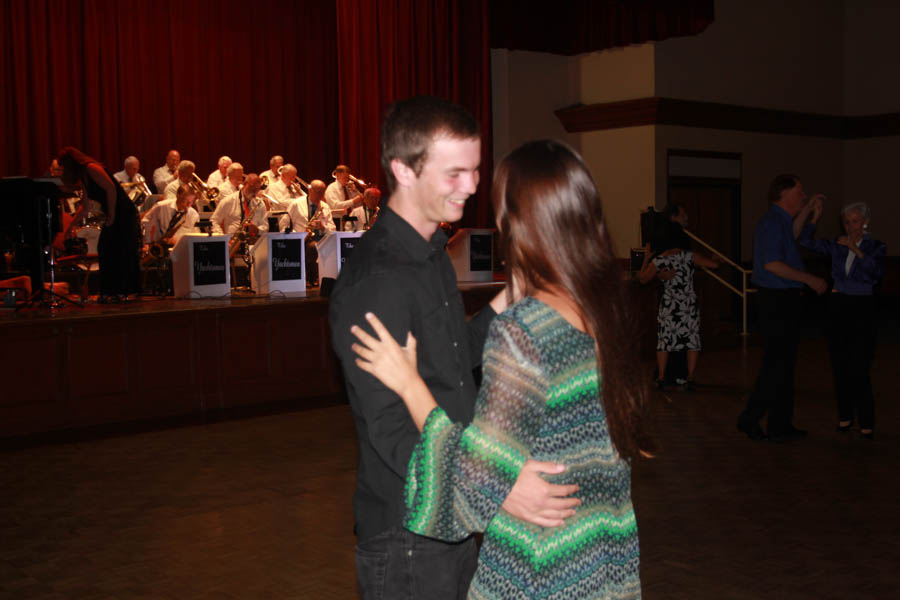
118,249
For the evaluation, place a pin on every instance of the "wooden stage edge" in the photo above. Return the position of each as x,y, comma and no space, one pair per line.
161,362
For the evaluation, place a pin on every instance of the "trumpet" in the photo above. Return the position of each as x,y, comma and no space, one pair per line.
204,191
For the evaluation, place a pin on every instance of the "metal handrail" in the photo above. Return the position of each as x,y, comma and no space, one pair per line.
744,272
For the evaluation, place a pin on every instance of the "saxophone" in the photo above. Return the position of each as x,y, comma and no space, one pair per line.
372,218
241,237
160,249
316,215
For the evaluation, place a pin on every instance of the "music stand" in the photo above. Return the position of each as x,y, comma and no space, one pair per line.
44,297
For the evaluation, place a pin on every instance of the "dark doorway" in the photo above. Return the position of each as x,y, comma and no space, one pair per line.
713,206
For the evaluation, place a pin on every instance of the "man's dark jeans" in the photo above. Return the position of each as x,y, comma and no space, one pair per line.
399,565
778,312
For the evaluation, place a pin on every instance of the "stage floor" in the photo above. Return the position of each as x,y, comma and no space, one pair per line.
162,358
147,305
474,295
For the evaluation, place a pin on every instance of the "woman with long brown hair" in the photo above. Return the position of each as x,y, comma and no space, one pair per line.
562,383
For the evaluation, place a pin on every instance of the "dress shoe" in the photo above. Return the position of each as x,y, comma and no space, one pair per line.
751,428
843,428
791,434
867,435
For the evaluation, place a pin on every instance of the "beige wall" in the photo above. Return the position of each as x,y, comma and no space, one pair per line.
871,55
616,74
817,161
764,53
872,87
870,176
822,56
527,87
622,163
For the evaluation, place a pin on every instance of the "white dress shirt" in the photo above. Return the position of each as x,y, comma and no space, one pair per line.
172,189
851,255
363,217
215,179
271,175
298,215
340,197
123,177
157,220
225,189
227,216
161,178
281,196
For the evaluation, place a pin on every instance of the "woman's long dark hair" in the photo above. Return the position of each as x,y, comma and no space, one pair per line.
553,235
74,163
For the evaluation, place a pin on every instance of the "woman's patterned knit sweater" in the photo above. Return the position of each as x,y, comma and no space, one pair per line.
539,399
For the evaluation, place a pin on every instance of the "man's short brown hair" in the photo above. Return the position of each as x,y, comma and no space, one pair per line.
410,125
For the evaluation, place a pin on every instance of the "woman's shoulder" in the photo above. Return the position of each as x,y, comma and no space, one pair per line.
527,315
534,320
519,313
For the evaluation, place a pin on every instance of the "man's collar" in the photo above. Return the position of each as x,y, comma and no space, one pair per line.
781,211
417,246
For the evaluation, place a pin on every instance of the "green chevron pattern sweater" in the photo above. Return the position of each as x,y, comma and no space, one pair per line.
539,399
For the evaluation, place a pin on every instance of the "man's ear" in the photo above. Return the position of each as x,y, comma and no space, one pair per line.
403,173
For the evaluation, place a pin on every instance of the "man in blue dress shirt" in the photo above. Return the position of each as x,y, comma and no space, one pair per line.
778,272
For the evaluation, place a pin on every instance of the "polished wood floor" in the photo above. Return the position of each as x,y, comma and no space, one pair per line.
261,507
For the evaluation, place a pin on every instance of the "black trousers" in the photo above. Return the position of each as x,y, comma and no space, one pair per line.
778,312
119,251
851,342
400,565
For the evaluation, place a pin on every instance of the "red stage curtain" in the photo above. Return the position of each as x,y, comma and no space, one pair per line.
119,77
578,26
394,49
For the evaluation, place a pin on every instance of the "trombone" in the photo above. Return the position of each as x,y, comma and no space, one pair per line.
297,186
204,191
359,183
137,190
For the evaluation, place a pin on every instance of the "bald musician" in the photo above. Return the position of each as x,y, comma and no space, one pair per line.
166,173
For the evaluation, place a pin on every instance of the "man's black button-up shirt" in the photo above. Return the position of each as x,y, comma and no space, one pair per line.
410,285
